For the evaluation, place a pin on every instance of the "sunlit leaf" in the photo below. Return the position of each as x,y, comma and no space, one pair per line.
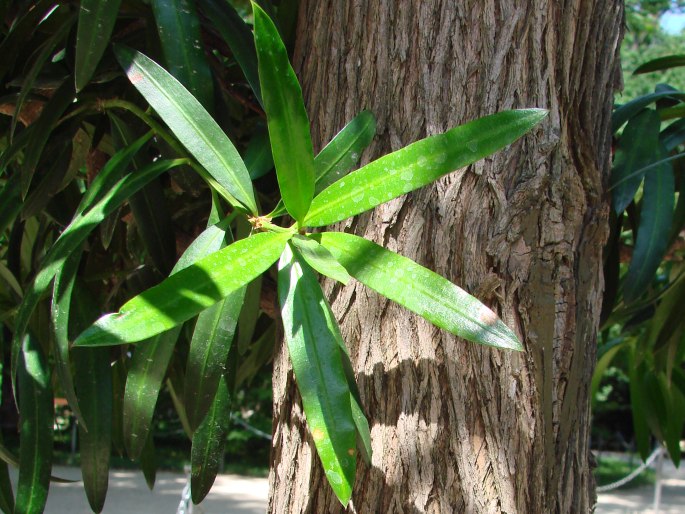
191,124
420,290
188,292
320,258
315,356
291,144
419,164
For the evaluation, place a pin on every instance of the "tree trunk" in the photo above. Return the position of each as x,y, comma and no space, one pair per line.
457,427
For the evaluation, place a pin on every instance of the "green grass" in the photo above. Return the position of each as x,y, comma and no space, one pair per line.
612,469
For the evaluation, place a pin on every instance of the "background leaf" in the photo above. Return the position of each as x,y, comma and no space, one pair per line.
662,63
419,164
35,437
96,20
179,31
420,290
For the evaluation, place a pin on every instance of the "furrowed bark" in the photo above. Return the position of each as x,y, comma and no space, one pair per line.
457,427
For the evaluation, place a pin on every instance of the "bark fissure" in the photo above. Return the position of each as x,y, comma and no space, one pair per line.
457,427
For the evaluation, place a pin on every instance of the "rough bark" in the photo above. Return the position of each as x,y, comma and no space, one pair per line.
457,427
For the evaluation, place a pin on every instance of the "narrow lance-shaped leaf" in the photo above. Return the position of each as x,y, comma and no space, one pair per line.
420,290
94,386
419,164
341,154
151,358
662,63
61,305
238,35
148,462
291,143
191,124
179,31
656,215
188,292
637,148
320,258
36,430
626,111
207,452
212,339
6,494
96,19
315,357
72,237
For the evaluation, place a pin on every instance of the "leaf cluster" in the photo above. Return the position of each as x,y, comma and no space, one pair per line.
139,192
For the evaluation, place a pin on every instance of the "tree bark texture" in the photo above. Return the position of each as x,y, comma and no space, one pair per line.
457,427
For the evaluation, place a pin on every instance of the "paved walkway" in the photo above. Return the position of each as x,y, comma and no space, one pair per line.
640,500
128,494
232,494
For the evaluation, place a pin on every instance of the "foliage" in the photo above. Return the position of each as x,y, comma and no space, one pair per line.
644,268
100,201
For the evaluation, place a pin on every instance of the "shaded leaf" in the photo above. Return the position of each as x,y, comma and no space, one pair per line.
321,380
662,63
637,148
419,164
6,493
148,462
188,292
291,144
239,37
179,31
258,158
35,434
207,452
96,21
626,111
420,290
191,124
656,215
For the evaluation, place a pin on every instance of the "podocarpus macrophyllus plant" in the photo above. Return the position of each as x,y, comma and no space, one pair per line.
210,280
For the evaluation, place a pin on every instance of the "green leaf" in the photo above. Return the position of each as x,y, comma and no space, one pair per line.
320,258
258,158
207,452
179,32
207,356
239,37
151,358
671,136
291,143
638,405
188,292
626,111
94,385
420,290
61,305
72,237
36,429
10,202
96,19
662,63
146,374
6,493
191,124
42,129
419,164
637,148
249,314
656,215
318,369
93,376
343,152
148,462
